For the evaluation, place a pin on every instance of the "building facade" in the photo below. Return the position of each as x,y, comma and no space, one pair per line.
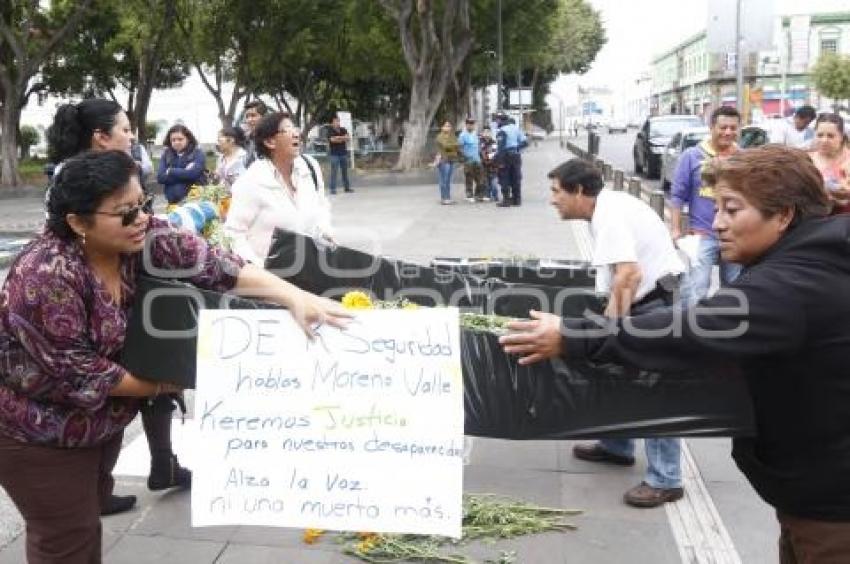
689,79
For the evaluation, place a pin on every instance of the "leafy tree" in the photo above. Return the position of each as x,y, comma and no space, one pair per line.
27,137
129,45
543,38
30,32
831,75
219,37
434,53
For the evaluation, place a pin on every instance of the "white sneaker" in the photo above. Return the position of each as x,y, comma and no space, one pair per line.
471,200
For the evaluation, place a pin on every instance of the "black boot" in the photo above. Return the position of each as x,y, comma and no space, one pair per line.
166,471
117,504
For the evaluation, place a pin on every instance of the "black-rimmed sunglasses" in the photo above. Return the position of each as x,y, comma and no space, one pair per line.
129,216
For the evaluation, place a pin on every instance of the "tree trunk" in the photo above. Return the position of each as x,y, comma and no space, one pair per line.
422,112
9,175
149,63
433,58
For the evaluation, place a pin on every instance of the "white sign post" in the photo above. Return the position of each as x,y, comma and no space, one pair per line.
358,430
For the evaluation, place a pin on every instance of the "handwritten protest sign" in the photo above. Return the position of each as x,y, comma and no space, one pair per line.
360,429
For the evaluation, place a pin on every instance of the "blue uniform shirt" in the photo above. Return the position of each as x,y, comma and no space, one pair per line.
511,137
469,146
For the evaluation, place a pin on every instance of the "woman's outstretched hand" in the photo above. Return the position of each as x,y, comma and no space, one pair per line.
534,340
311,312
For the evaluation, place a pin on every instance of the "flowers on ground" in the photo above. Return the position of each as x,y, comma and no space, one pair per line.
357,300
312,535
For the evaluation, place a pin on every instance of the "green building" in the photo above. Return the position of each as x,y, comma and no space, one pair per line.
689,79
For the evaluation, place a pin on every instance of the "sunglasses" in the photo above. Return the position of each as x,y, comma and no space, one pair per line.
131,214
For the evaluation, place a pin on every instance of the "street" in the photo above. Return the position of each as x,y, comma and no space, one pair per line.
720,520
616,148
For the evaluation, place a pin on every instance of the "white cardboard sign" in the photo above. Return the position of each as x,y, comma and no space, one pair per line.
358,430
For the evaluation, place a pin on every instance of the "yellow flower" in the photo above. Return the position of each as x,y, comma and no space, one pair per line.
312,535
357,300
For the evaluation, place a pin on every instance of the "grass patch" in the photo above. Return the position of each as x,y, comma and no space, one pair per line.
32,171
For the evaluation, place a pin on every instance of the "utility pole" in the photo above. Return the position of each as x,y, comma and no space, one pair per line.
499,84
739,59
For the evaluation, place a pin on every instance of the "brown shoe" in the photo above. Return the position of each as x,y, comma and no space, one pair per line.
644,495
595,453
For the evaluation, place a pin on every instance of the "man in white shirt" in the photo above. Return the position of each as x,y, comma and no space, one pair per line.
798,131
638,268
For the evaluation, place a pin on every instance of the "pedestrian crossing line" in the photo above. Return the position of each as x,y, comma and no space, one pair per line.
697,527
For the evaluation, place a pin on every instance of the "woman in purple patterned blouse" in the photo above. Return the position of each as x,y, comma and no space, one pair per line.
64,399
98,124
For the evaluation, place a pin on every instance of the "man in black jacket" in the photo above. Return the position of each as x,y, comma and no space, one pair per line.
784,323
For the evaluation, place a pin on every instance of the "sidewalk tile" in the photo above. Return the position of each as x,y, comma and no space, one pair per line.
139,549
170,517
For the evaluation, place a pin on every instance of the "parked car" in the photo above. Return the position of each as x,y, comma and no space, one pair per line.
617,126
654,136
670,158
753,136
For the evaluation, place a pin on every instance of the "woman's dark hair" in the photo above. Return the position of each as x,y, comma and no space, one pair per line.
234,133
191,144
773,178
267,128
578,172
74,124
82,184
834,119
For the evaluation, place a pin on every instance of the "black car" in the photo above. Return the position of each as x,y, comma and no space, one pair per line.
653,137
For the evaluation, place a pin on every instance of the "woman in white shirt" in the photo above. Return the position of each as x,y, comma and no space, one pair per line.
283,188
231,159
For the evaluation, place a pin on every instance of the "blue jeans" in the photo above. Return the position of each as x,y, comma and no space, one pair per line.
493,186
444,172
699,277
663,457
339,162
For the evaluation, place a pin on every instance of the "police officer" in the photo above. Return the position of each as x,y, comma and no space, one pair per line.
510,141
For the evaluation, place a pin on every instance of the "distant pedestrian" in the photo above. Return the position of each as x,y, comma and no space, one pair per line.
231,159
832,159
511,140
448,153
182,164
338,138
489,163
798,131
253,112
689,189
473,172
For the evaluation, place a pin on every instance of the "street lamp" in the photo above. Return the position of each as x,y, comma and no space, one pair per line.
499,85
491,55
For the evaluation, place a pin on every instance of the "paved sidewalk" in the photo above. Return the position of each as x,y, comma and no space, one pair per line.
407,221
